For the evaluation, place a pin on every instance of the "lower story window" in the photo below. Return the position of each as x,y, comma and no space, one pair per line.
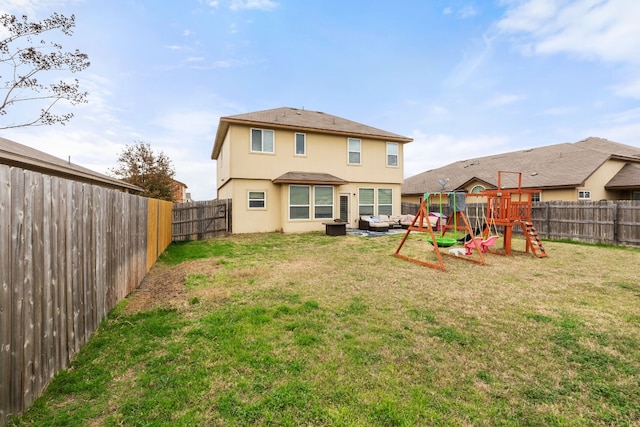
257,199
365,201
299,202
323,202
385,201
584,195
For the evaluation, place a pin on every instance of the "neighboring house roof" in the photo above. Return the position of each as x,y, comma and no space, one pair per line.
18,155
628,177
302,120
565,165
308,178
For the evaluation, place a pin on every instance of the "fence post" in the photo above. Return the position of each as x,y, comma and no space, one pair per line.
616,222
547,219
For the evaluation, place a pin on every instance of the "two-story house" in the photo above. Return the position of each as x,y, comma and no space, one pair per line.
290,170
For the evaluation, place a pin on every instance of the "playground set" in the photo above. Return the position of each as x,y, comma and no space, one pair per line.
506,208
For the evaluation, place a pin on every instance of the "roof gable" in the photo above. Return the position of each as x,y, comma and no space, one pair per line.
302,120
627,177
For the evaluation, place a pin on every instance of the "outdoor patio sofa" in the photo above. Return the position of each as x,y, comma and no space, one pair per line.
373,223
407,220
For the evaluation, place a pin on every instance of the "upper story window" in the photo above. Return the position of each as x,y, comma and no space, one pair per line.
355,150
301,144
392,154
584,195
477,188
262,141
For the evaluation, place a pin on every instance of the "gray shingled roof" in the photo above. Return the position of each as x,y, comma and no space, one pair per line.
628,177
565,165
308,178
303,120
22,156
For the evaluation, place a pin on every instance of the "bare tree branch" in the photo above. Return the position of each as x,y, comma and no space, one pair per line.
20,67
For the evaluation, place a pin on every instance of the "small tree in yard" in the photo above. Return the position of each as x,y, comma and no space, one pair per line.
139,165
22,59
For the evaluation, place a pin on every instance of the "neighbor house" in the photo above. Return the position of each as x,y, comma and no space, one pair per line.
179,192
290,170
591,169
22,156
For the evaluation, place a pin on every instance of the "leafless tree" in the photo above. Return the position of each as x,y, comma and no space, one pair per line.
22,59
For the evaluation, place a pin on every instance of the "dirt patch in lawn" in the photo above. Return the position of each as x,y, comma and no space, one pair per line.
164,285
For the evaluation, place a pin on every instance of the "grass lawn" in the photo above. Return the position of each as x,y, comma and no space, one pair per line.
309,329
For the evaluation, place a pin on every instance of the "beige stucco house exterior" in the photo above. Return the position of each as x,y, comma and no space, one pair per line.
291,170
591,169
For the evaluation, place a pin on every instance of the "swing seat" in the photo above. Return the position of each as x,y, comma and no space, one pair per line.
490,241
444,242
475,242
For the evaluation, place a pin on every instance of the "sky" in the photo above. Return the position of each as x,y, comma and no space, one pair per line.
463,78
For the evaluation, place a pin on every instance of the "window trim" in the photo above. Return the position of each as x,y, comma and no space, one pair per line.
349,151
262,150
584,194
397,155
304,144
249,200
373,205
308,206
315,204
377,204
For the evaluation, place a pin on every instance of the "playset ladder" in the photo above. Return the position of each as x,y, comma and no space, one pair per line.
533,240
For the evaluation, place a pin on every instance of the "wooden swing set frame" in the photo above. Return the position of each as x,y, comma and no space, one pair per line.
457,222
506,208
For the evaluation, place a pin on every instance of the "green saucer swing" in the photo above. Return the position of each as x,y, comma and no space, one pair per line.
445,242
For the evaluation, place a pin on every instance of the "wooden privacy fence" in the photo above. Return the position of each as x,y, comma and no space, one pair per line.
68,253
201,220
612,222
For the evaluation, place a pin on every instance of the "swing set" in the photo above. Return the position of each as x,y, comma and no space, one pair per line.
505,208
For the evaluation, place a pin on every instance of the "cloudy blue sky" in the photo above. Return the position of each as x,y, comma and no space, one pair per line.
464,78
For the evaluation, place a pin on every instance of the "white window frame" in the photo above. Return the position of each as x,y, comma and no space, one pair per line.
308,205
536,197
358,151
317,205
477,188
392,155
584,194
295,144
262,148
263,199
390,205
373,202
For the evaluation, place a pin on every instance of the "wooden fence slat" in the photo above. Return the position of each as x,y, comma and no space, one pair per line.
17,278
6,340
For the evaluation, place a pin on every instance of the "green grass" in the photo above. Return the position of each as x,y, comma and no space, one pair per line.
320,330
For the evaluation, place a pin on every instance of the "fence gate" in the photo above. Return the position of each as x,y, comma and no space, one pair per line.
201,220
